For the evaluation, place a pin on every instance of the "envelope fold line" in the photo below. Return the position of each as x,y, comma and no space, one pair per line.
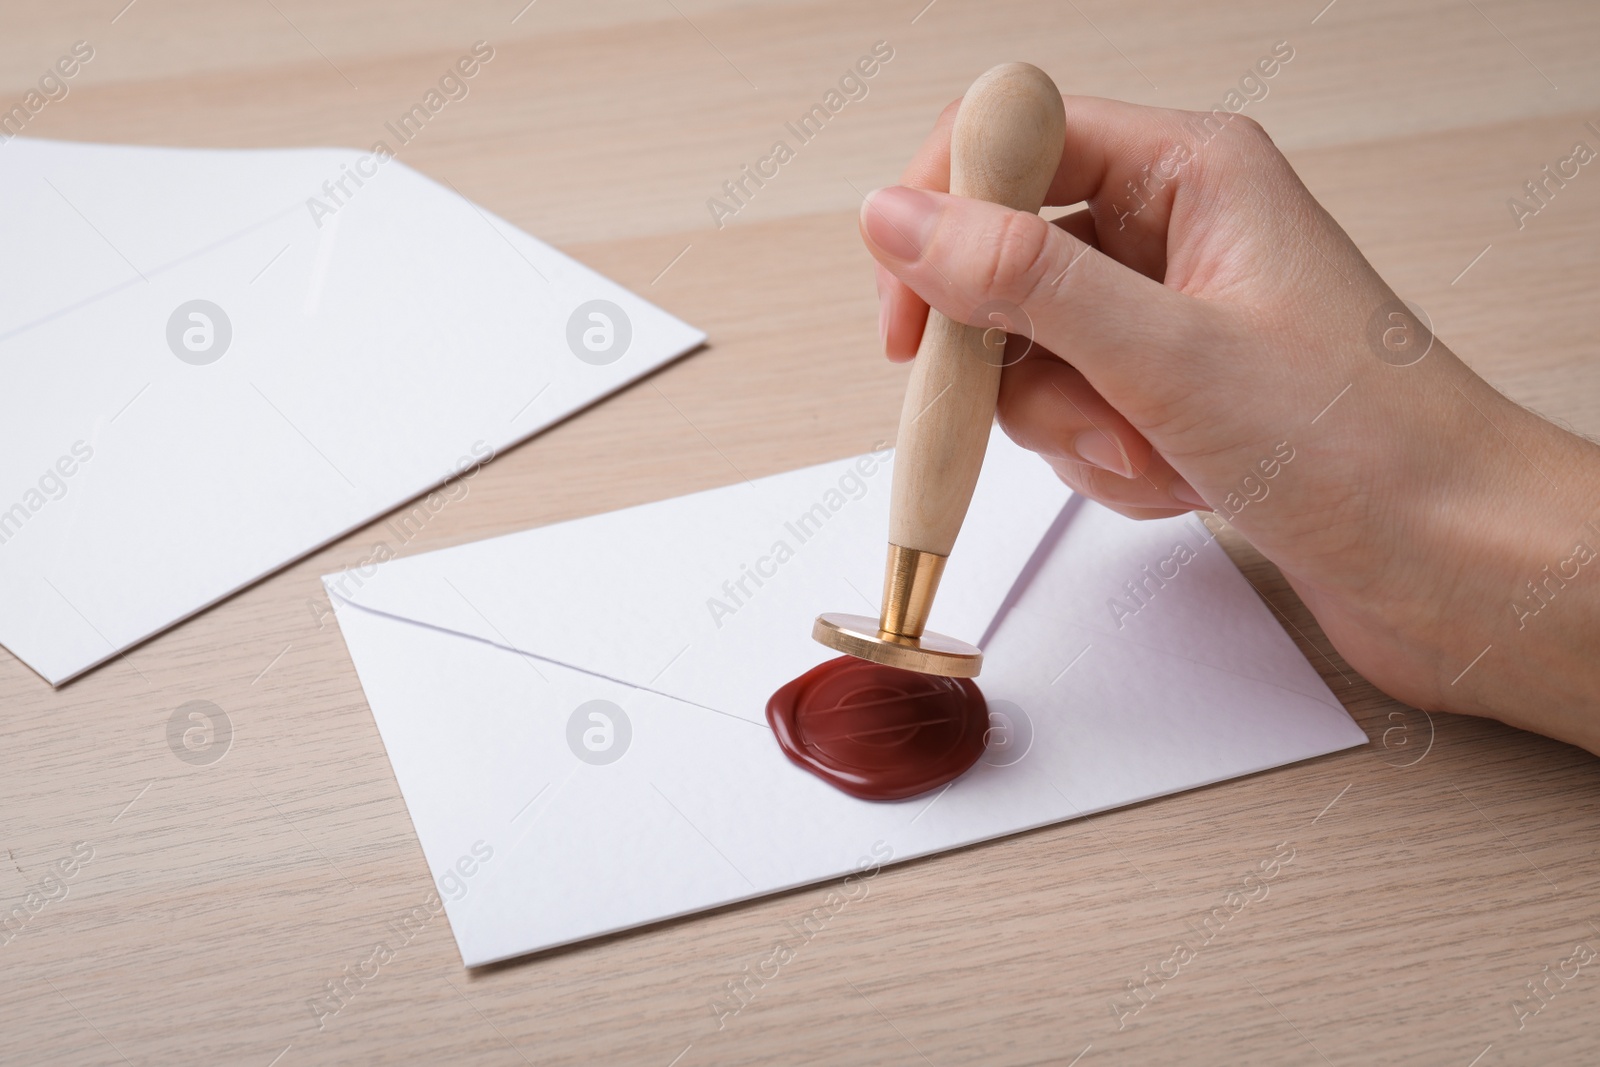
552,660
1041,552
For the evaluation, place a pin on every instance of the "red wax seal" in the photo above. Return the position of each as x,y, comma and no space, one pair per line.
876,732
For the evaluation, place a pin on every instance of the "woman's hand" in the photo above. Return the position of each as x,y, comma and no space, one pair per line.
1204,335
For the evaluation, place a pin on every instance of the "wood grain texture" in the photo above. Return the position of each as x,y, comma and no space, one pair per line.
1435,871
998,153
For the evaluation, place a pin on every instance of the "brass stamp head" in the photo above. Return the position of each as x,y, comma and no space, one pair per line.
897,638
932,653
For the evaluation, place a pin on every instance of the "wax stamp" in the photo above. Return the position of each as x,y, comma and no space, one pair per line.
879,732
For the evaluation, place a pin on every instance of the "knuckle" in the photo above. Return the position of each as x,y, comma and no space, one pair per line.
1235,134
1251,128
1223,150
1090,482
1109,488
1249,140
1015,258
946,122
1101,486
1259,141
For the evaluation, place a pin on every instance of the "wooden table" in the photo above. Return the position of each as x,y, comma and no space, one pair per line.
1434,872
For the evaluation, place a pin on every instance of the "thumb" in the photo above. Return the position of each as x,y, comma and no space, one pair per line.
1122,330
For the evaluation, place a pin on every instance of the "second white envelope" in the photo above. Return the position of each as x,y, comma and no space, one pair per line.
205,379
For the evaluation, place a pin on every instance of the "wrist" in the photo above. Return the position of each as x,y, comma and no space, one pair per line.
1519,633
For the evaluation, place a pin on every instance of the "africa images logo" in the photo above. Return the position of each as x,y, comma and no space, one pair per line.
199,332
199,733
1400,333
599,332
599,732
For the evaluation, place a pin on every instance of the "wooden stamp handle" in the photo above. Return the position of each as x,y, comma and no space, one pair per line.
1005,148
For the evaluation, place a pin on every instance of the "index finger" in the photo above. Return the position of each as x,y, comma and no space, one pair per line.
930,166
1127,161
901,312
1108,143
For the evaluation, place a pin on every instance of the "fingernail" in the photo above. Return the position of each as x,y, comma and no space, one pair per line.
1099,449
883,317
1184,494
899,221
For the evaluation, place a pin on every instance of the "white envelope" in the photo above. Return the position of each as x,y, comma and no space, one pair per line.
576,713
156,455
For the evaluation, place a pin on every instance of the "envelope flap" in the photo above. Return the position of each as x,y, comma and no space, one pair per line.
165,204
1175,605
709,598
